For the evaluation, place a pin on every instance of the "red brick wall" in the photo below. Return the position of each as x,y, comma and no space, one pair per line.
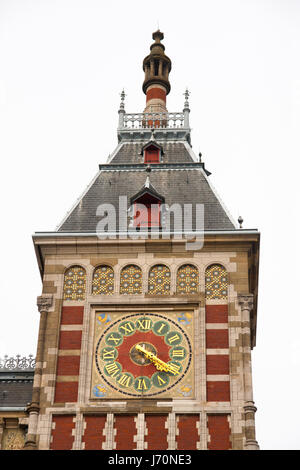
187,432
216,313
156,93
125,428
70,340
68,365
156,434
93,437
66,392
62,438
72,315
217,339
219,432
218,390
217,364
67,371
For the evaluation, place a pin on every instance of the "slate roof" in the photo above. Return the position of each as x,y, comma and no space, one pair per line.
173,152
15,389
179,179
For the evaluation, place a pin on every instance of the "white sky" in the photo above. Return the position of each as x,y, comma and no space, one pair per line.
63,64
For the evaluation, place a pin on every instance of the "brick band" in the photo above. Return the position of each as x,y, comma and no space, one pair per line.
156,93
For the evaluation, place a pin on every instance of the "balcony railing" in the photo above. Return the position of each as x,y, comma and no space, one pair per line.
151,120
17,363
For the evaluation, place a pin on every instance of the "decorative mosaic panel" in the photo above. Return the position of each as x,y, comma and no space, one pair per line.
216,282
103,280
187,279
159,280
131,280
74,283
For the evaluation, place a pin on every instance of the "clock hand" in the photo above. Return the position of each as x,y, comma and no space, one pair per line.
159,364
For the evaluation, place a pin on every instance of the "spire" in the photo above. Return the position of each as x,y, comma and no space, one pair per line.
157,67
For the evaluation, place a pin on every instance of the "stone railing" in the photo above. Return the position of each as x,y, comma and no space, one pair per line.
153,120
150,120
17,363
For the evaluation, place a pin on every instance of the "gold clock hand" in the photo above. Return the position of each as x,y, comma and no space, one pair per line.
159,363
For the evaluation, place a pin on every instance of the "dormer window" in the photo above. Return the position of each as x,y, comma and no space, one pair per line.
146,207
152,153
147,212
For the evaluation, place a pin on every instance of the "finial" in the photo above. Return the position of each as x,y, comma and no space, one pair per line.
200,155
157,36
122,94
240,221
152,135
186,96
147,182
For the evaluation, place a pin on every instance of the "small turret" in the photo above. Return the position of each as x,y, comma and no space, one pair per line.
157,67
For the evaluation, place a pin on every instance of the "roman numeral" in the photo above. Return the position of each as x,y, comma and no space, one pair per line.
178,353
162,327
124,380
128,328
112,369
142,385
116,339
144,324
173,338
160,380
108,354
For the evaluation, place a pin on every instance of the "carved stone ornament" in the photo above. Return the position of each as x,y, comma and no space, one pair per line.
13,439
246,301
44,302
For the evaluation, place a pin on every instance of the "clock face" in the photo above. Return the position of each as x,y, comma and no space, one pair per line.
143,355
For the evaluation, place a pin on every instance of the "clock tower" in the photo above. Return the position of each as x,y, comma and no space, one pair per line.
149,299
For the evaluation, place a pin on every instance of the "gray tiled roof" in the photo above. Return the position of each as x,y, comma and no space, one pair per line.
173,152
15,389
178,180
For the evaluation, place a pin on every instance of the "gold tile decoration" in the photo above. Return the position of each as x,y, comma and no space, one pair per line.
216,282
131,280
74,283
103,280
159,281
13,439
187,279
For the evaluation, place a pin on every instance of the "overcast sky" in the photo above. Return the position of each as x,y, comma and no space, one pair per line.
63,64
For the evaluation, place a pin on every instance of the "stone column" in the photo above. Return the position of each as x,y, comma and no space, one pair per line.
44,302
246,304
1,430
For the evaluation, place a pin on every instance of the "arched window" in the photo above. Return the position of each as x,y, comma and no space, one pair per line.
74,283
131,280
187,279
159,281
216,282
103,280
